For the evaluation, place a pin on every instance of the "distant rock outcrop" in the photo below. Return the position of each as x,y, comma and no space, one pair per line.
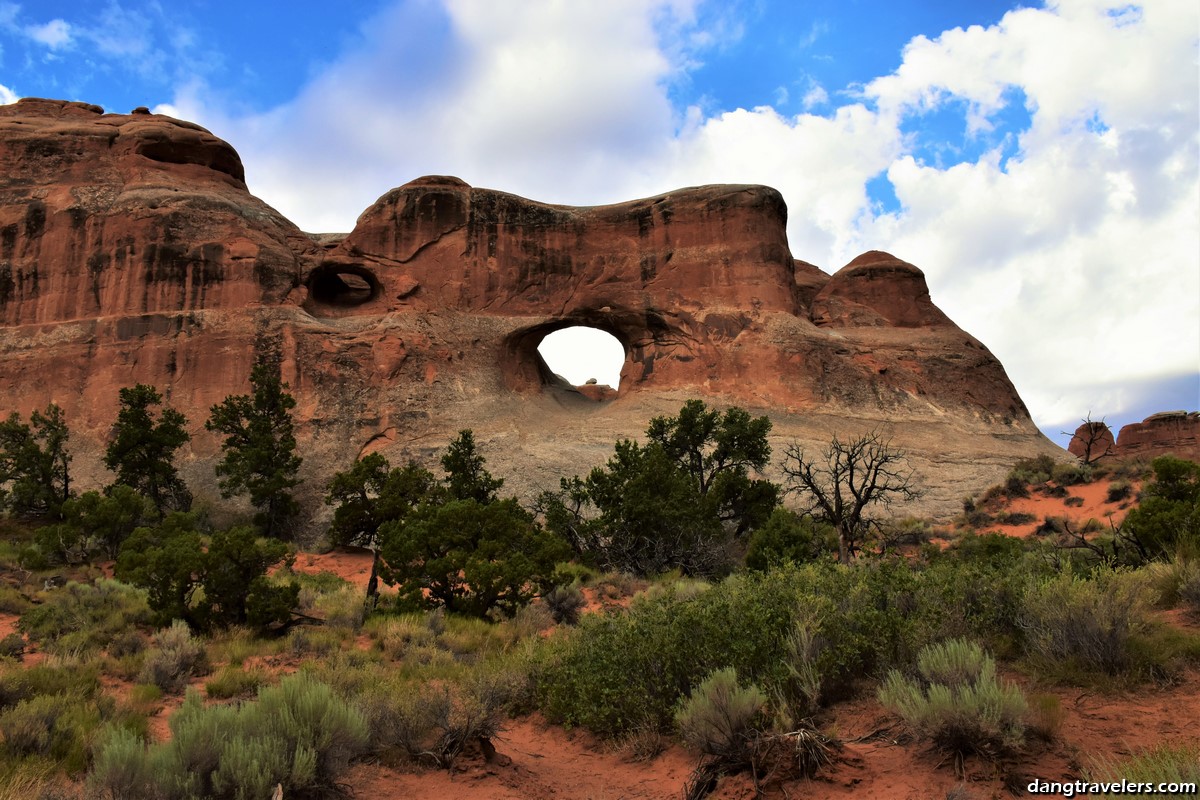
1174,433
131,251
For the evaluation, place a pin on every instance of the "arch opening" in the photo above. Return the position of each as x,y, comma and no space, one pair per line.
342,286
583,356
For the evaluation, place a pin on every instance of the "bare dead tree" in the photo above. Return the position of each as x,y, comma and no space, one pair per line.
1095,439
846,480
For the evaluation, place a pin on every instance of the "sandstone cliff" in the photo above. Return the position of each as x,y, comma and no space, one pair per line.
1174,433
132,251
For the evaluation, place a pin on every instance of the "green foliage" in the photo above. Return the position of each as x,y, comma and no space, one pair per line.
1071,473
470,558
259,449
1168,762
52,713
1167,519
673,503
234,682
466,477
1189,587
957,701
370,494
143,449
57,727
789,537
718,451
1029,472
454,550
1119,490
565,603
12,646
94,523
298,734
216,587
720,716
174,659
804,633
34,464
1072,622
433,724
81,616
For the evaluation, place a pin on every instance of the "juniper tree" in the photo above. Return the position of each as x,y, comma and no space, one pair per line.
260,448
35,477
372,493
142,451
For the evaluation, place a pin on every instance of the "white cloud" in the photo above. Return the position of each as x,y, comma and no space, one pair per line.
1075,258
55,34
7,95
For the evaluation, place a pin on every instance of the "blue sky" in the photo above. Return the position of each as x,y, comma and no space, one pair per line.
1038,161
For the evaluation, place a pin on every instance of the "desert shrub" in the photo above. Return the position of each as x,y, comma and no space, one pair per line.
175,658
434,723
73,678
126,643
342,609
121,769
1169,762
1072,622
1045,716
313,641
1071,473
720,716
565,603
1167,520
1118,491
1189,587
12,646
571,572
82,616
1014,518
235,682
298,734
789,537
54,726
957,701
1073,502
13,600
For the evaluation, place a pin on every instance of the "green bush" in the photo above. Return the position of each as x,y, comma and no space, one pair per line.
565,603
1189,587
235,682
789,537
175,658
12,646
1119,490
1169,762
73,678
298,734
54,726
720,716
1071,473
13,601
82,616
1167,520
957,701
1076,623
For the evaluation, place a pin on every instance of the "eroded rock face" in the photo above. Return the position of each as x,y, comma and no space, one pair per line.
131,251
1175,433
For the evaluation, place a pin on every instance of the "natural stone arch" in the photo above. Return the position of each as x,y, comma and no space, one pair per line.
338,286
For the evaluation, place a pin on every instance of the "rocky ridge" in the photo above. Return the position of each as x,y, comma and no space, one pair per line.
132,251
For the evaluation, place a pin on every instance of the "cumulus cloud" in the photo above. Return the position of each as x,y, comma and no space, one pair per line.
7,95
54,34
1070,249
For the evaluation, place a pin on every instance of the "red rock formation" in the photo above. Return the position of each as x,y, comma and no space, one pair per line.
1175,433
131,251
1091,442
